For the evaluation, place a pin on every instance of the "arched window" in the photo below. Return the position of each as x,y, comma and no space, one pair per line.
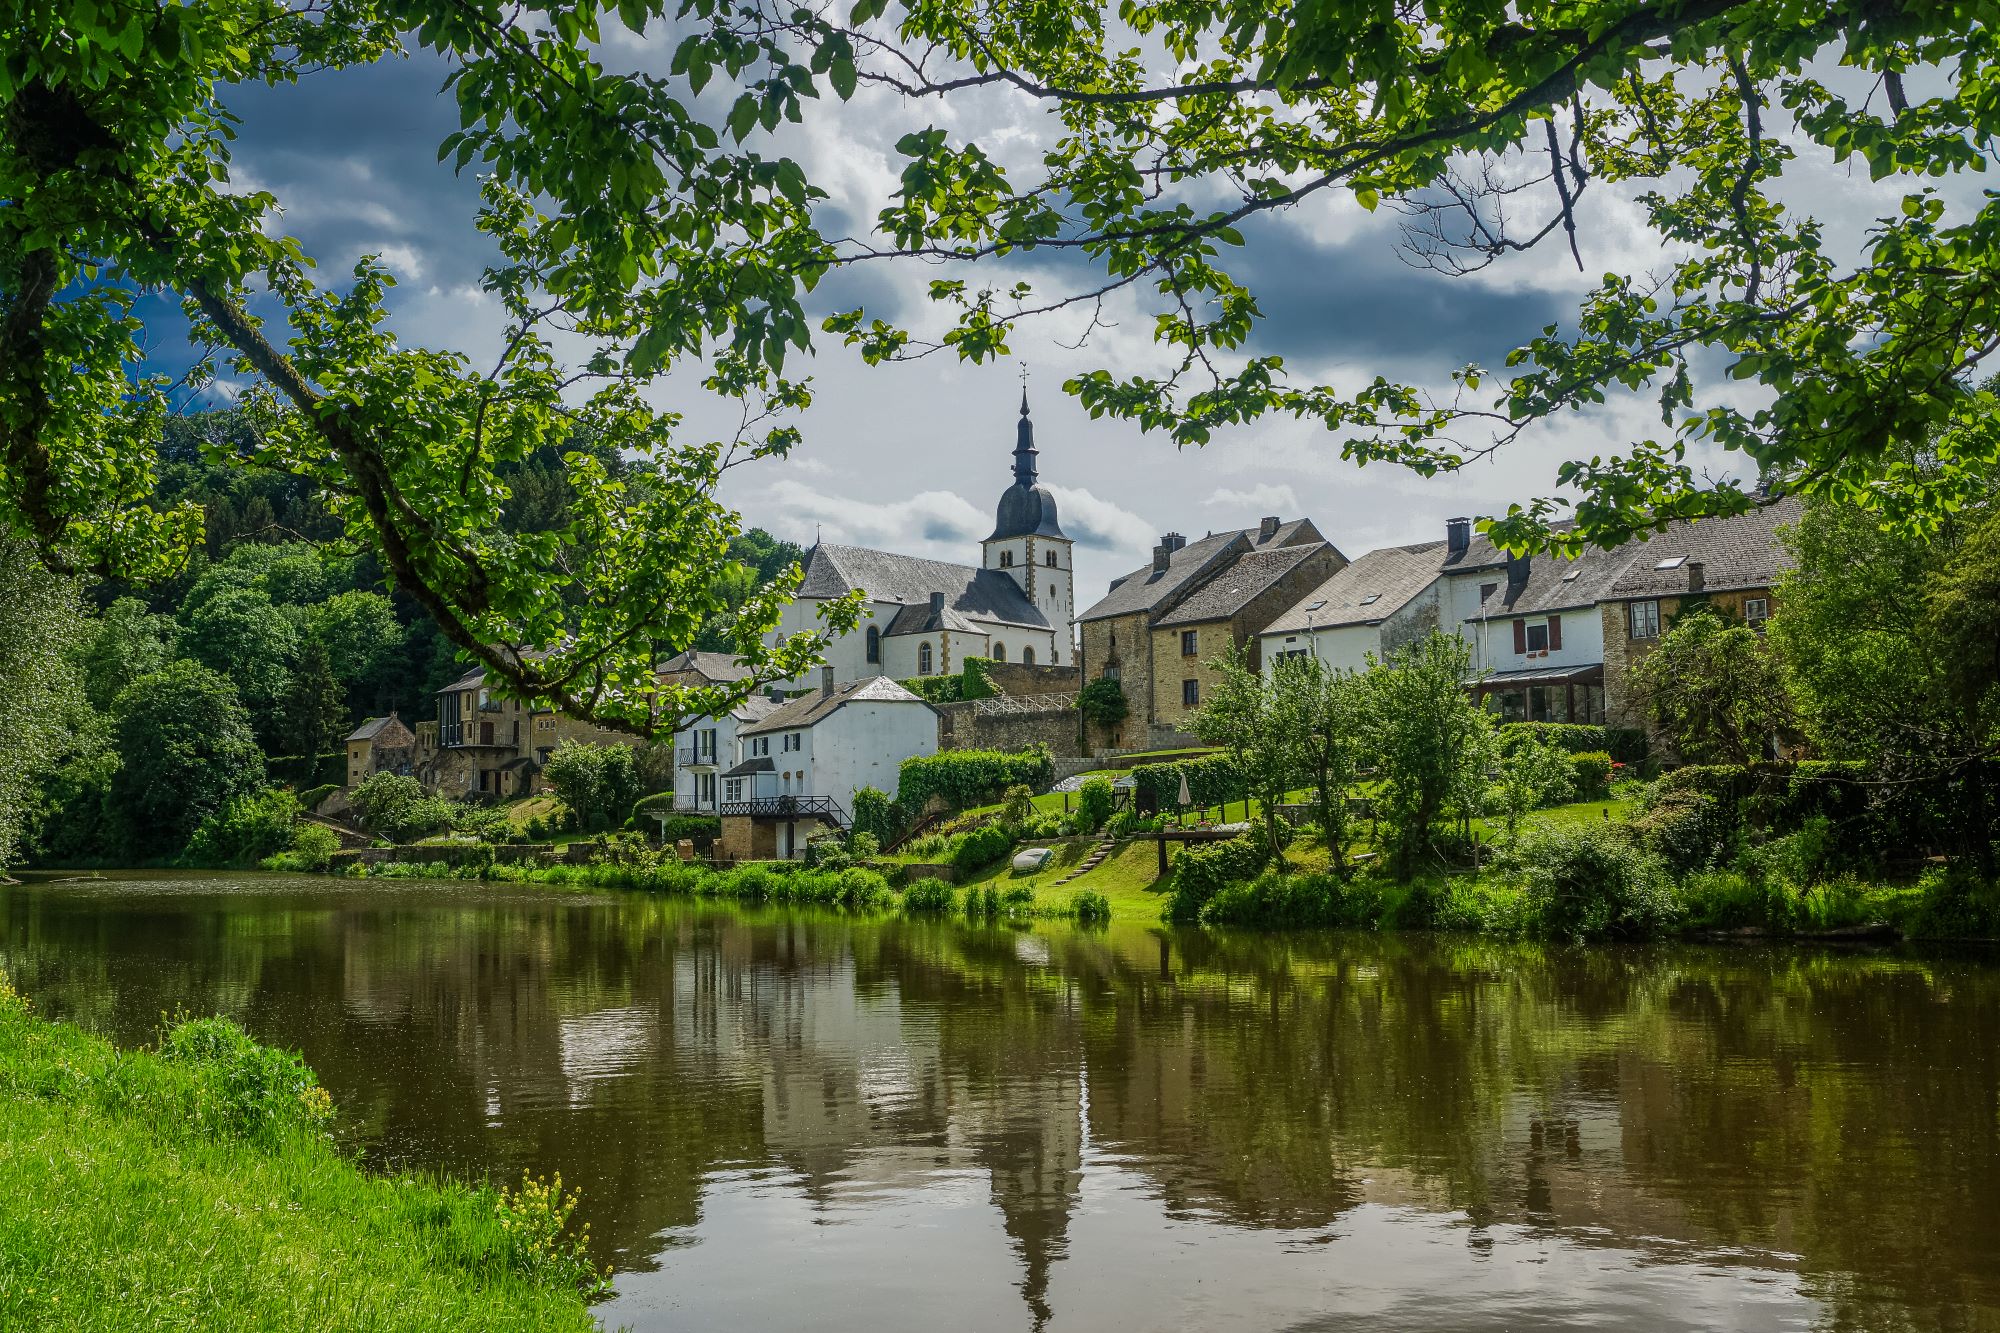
924,665
1006,560
874,644
1028,656
1050,559
999,652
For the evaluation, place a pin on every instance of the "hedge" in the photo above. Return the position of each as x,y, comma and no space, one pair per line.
1570,736
974,851
310,798
965,778
1202,871
1211,781
1778,798
1592,770
875,813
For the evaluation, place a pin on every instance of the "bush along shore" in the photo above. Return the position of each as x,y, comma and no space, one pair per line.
194,1185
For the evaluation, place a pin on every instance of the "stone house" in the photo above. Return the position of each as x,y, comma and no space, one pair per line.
485,744
1728,564
1158,630
379,745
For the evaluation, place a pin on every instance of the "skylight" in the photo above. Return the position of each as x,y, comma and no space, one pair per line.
1371,597
1672,562
1314,606
1569,574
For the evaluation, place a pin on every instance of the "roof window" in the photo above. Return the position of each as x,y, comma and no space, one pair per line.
1314,606
1371,598
1672,562
1569,574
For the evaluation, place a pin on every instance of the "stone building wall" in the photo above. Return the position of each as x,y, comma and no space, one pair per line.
962,726
1622,652
1125,639
747,839
1020,678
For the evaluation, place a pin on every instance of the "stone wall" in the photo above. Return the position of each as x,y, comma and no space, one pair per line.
747,839
1125,641
1020,678
966,726
1622,652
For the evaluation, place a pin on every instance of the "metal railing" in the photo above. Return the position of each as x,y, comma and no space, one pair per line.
689,756
788,807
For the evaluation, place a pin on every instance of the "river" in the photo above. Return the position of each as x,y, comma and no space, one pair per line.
790,1118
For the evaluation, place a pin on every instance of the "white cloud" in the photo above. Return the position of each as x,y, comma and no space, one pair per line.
1267,497
941,525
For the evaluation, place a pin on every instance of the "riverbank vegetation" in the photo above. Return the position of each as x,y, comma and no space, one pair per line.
194,1186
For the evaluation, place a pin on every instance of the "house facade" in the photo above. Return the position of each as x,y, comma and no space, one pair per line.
1158,629
926,617
379,745
484,744
705,748
1551,640
798,766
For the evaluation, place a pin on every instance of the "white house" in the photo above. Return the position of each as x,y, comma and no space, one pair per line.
703,749
802,762
925,617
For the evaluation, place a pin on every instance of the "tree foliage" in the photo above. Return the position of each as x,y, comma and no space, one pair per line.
41,689
1715,689
1243,715
1431,742
186,751
598,783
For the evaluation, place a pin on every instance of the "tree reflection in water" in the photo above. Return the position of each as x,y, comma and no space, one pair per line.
793,1116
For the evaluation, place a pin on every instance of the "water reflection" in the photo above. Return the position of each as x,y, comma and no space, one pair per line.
789,1117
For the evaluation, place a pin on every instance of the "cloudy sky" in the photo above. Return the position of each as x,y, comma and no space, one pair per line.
913,457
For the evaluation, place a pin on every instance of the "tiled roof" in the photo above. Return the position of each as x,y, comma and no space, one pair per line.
1240,580
1743,551
749,766
1371,589
808,709
1150,590
920,618
756,708
717,667
371,728
982,594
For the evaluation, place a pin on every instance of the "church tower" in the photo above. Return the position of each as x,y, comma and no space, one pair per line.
1028,543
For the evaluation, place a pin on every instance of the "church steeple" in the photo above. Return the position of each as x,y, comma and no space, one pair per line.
1024,446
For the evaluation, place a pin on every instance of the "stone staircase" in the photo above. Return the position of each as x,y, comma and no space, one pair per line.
1098,854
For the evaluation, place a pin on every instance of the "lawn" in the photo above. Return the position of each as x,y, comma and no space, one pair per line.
1128,878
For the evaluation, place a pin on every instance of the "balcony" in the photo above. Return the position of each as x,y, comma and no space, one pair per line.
693,756
788,807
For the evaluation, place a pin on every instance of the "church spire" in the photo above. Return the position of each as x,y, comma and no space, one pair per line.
1024,445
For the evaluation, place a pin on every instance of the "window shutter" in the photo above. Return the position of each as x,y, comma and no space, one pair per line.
1520,636
1555,633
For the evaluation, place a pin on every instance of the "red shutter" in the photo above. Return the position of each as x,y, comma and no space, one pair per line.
1520,636
1555,633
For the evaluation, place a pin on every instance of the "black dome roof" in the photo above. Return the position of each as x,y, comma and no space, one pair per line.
1026,509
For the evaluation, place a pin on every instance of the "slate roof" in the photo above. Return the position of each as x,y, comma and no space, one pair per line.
756,708
1742,551
808,709
923,618
719,668
982,594
1150,590
372,727
1557,585
1239,581
749,766
1368,591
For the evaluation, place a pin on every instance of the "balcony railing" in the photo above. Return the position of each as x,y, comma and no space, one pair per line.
693,756
788,807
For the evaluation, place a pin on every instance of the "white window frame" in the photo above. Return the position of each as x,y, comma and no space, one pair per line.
1651,619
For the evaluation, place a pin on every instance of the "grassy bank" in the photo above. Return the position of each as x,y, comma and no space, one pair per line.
194,1187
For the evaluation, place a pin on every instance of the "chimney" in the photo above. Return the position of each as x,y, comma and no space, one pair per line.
1517,571
825,681
1163,554
1267,528
1697,576
937,604
1457,535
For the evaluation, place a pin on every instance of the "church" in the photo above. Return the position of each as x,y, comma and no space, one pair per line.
926,617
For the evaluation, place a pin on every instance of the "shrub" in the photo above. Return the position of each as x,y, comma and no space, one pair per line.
1569,736
973,851
875,813
314,845
1202,871
1129,823
1017,805
965,778
1090,905
1686,830
1626,745
1102,703
310,798
245,1090
1094,801
245,831
929,895
701,830
395,807
1954,903
1592,770
598,783
1588,881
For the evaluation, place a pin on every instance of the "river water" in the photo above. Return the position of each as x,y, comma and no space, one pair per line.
790,1118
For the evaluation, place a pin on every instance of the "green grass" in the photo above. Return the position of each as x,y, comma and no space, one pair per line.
179,1193
1127,878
